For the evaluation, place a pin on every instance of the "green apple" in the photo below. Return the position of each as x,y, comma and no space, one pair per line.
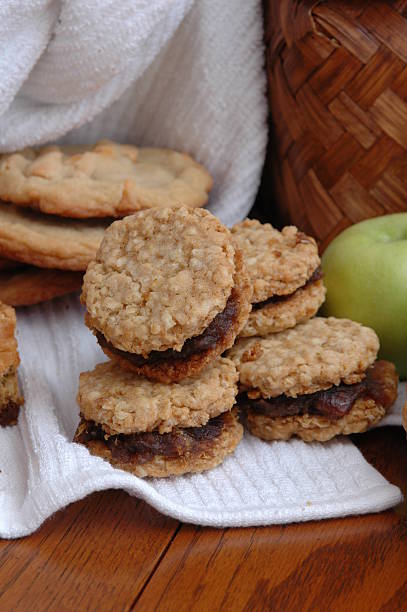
365,269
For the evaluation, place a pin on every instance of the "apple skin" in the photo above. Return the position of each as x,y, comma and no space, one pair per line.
365,272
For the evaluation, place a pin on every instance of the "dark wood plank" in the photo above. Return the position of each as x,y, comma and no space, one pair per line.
94,555
356,563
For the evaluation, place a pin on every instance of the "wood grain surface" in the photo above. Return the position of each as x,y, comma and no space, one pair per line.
113,552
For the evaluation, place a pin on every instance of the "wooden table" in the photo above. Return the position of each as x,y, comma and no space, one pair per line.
113,552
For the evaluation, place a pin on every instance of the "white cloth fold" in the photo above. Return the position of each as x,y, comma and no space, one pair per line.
185,74
41,470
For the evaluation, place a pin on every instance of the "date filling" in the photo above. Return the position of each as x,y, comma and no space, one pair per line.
9,413
334,403
276,299
213,334
143,447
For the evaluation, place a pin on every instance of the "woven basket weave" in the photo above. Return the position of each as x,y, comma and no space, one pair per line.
338,96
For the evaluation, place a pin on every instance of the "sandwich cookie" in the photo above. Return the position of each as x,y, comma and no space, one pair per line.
102,180
154,429
167,292
315,381
284,269
10,399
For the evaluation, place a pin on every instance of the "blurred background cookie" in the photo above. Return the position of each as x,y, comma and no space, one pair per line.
102,180
28,285
48,241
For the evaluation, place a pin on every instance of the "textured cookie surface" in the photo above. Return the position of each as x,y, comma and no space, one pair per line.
124,403
310,427
8,343
278,263
28,285
48,242
10,399
160,277
310,357
204,456
278,316
103,180
173,366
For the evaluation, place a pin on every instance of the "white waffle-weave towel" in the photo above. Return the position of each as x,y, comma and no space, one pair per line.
186,74
41,470
183,74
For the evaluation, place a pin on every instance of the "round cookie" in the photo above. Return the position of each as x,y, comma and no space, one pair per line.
159,277
29,285
365,412
201,449
310,357
166,280
172,366
47,241
287,312
102,180
278,263
124,403
314,428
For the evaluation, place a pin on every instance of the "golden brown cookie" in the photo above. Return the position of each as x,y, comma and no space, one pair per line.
124,403
47,241
10,399
284,312
315,420
102,180
167,293
313,428
178,452
278,263
197,352
29,285
310,357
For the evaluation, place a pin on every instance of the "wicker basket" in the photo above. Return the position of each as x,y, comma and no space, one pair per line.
338,97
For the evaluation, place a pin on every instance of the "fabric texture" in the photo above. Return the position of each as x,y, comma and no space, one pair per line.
41,470
183,74
186,75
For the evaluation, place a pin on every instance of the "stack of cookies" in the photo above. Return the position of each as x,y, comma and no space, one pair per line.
284,269
56,202
310,377
166,295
